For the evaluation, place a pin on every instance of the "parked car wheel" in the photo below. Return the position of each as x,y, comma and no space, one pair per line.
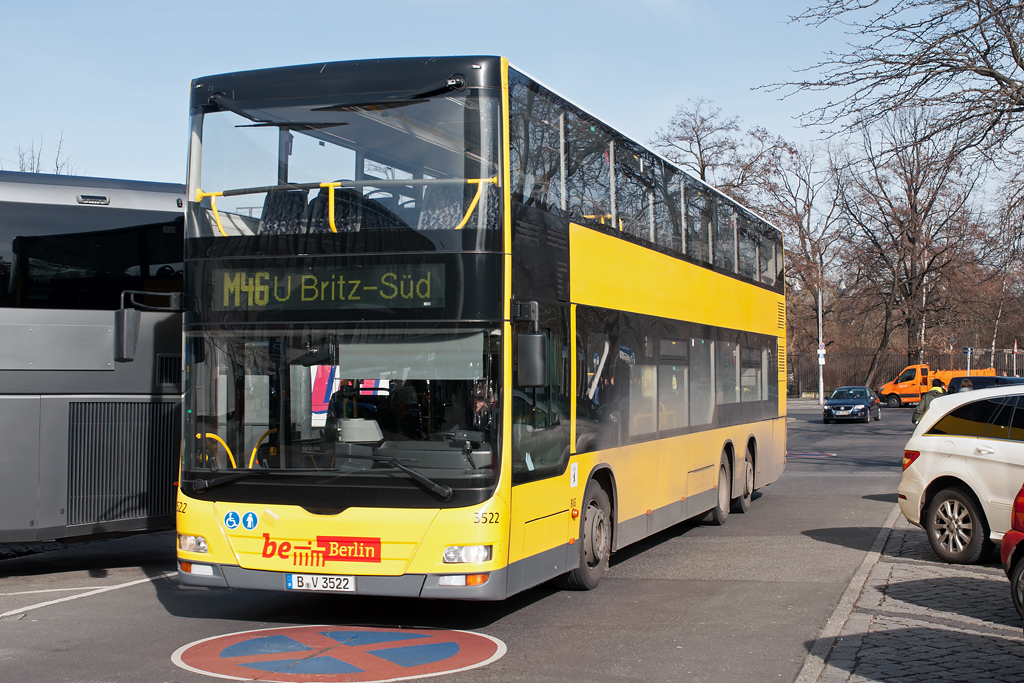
956,527
893,401
878,414
1017,586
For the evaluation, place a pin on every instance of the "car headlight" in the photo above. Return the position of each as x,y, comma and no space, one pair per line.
859,406
455,554
192,544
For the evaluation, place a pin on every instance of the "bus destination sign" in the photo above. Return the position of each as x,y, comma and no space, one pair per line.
291,289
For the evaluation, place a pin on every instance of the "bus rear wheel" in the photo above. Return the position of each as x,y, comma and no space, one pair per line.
720,512
595,541
741,503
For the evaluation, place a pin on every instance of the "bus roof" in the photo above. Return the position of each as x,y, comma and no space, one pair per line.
390,76
44,188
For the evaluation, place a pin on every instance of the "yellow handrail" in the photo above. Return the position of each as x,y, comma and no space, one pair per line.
252,458
479,182
330,203
231,457
200,196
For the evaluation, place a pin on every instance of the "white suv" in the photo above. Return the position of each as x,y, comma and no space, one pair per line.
962,469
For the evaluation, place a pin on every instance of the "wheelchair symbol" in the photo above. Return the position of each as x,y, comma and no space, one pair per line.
231,520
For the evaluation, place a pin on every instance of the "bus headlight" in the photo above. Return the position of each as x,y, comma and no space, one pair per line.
467,554
192,544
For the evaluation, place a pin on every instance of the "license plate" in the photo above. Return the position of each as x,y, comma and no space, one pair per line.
842,412
320,582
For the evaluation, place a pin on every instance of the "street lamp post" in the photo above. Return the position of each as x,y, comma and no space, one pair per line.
821,356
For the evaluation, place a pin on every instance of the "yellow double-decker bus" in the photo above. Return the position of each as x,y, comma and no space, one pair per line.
449,336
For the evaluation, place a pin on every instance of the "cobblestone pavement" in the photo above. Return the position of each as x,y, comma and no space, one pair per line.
918,619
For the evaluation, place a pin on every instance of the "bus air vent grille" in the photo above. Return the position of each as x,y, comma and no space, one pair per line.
782,315
168,369
121,462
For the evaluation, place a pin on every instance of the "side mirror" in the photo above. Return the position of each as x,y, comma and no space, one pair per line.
126,334
532,361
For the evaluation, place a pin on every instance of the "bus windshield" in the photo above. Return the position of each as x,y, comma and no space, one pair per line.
350,163
330,408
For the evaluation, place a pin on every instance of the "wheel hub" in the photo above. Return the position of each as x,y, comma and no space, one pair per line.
595,541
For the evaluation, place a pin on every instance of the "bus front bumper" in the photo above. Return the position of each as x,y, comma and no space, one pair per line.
404,586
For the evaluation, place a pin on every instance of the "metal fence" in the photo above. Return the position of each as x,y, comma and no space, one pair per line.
852,369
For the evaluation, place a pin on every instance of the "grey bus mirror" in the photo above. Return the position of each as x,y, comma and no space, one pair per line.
126,334
532,361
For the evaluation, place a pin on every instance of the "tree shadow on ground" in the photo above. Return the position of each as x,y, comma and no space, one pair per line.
882,497
899,654
975,597
856,537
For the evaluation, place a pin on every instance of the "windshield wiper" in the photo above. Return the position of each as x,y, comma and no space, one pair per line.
445,492
204,485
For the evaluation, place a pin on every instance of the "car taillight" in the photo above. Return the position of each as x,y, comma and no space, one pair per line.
909,457
1017,520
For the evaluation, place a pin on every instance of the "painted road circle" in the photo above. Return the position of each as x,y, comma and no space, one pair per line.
338,653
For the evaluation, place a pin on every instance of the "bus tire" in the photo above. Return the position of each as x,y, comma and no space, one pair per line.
595,541
741,503
720,512
893,401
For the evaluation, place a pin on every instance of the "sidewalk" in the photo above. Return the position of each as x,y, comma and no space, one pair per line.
917,619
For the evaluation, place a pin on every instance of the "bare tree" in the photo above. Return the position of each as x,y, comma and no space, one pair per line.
30,159
906,205
963,60
699,138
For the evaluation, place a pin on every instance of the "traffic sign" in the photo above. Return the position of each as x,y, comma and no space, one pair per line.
338,653
968,350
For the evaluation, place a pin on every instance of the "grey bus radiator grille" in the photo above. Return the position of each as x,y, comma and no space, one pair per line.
121,461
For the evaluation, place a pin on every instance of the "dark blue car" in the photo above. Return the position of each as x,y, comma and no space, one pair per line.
852,403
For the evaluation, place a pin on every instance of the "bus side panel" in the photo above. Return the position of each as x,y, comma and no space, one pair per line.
539,532
19,486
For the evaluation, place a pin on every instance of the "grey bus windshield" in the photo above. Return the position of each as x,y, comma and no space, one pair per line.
308,166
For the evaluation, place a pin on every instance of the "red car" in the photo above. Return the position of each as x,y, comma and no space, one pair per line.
1012,552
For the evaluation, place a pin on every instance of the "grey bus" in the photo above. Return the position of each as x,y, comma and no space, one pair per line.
90,355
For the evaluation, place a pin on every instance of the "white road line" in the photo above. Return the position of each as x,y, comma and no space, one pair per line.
47,590
105,589
814,663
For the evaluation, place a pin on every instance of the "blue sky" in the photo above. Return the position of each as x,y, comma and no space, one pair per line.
114,76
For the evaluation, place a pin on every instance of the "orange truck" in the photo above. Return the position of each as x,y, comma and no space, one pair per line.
917,379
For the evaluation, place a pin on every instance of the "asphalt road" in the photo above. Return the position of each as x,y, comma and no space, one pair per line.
743,602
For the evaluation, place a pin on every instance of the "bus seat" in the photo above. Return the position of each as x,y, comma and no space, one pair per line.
352,212
443,207
347,203
284,213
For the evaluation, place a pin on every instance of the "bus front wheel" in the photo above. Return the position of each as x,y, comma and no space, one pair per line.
595,541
